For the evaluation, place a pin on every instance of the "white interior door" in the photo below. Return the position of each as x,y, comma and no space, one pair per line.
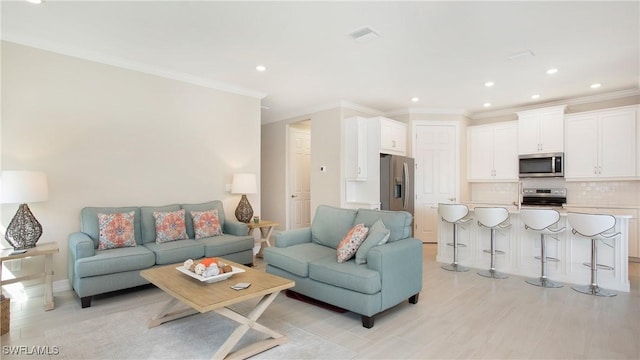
299,178
436,154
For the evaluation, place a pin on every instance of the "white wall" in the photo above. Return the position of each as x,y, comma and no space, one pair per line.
107,136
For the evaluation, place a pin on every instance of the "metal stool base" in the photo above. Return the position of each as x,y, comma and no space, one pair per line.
455,267
543,282
493,274
594,290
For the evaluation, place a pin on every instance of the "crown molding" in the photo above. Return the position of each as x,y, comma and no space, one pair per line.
304,112
130,65
427,111
568,102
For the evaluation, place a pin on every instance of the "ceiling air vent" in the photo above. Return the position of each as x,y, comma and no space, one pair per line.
522,55
364,34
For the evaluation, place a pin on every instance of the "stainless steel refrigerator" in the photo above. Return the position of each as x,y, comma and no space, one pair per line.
396,183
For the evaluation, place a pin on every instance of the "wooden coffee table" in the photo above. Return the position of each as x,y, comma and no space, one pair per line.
204,297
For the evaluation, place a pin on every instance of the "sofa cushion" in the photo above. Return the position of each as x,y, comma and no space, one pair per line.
116,230
90,226
170,226
176,251
112,261
148,222
295,259
206,223
346,275
378,235
350,243
398,222
211,205
224,244
331,224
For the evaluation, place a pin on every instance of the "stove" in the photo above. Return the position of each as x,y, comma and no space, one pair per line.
544,197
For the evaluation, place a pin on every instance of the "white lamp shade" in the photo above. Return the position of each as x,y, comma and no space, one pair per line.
244,184
21,187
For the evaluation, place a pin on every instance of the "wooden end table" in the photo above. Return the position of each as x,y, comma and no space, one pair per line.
43,249
266,229
204,297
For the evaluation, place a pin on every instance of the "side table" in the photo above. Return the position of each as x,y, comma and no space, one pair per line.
43,249
266,228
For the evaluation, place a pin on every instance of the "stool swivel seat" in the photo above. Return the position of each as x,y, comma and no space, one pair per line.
594,227
454,214
541,221
493,218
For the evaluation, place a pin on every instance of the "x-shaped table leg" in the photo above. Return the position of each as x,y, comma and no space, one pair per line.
246,323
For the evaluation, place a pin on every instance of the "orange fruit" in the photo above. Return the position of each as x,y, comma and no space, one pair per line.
208,261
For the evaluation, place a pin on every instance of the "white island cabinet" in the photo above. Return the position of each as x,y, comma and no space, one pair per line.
521,246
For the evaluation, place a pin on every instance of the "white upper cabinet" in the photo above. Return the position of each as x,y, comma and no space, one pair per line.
393,137
356,154
493,152
541,130
602,144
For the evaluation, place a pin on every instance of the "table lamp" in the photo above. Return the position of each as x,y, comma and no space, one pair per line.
22,187
244,184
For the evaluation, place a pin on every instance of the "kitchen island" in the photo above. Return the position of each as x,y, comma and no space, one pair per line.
521,247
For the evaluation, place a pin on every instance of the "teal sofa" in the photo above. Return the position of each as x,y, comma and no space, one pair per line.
392,272
93,271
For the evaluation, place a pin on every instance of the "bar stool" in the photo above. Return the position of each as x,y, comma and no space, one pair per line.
454,214
593,226
540,221
493,218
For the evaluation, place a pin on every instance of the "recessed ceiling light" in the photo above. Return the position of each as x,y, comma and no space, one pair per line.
415,99
596,85
535,96
261,68
488,84
265,107
35,1
552,71
486,104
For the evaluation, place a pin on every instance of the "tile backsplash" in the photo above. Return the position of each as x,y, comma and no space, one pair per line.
604,193
626,193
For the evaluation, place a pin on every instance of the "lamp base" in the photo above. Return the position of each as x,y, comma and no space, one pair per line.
244,211
24,230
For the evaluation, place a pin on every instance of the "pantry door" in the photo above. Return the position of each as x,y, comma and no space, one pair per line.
437,177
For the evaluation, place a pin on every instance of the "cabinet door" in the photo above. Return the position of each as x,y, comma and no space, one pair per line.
617,144
355,139
581,146
528,134
480,152
505,150
551,131
393,137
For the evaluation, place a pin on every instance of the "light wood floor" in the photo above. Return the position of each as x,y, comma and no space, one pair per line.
459,315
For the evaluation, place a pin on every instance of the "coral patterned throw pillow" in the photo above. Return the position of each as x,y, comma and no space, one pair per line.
350,243
170,226
116,230
206,223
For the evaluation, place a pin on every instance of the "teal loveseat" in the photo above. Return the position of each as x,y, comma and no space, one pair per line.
392,272
93,271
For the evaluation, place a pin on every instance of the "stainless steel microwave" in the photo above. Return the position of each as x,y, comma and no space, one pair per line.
541,165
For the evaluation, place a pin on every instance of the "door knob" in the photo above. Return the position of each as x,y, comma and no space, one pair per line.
294,196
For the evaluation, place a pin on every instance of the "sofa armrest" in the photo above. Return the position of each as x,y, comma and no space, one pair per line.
292,237
236,228
400,266
81,245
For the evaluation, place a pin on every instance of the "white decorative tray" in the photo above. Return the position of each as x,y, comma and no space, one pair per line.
210,279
